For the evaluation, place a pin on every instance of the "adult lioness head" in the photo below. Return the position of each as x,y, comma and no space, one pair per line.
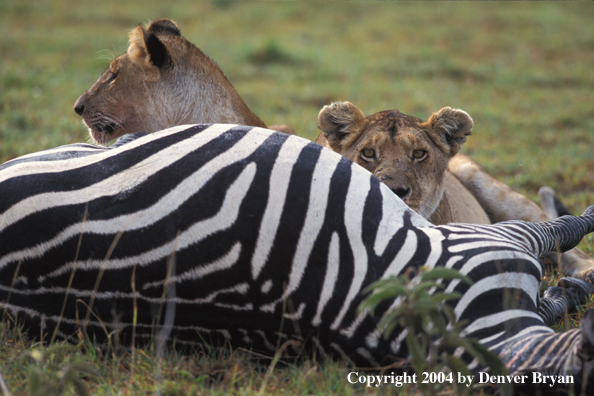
163,80
407,154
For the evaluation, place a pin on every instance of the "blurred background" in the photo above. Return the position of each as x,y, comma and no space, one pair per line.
523,70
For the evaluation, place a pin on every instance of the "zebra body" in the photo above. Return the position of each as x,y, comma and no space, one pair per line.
249,236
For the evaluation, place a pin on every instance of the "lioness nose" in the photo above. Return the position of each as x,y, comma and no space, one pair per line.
79,106
402,192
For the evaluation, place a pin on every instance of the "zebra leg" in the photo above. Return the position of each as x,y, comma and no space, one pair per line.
554,358
563,233
575,262
501,203
531,349
506,320
566,296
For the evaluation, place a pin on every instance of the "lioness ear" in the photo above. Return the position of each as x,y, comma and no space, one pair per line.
338,121
148,52
450,127
164,26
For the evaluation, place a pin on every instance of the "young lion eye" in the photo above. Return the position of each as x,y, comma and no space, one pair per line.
418,154
369,153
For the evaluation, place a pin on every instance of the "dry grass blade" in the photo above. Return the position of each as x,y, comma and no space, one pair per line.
169,297
100,276
134,319
82,231
275,360
3,386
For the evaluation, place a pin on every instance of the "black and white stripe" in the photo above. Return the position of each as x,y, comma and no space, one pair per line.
242,230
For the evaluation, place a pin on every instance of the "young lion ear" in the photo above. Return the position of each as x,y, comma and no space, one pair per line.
338,122
451,127
148,52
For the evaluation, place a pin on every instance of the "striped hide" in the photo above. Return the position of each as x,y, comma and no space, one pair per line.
252,237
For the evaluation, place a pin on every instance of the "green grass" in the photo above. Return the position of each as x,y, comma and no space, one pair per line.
523,70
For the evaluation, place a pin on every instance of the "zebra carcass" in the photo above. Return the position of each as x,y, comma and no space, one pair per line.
240,234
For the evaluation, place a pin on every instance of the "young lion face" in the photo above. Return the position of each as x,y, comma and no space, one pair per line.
407,154
163,80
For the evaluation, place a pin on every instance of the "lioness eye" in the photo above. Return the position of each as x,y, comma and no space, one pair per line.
369,153
112,76
418,154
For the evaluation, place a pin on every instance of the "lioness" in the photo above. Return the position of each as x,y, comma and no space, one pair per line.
420,162
163,80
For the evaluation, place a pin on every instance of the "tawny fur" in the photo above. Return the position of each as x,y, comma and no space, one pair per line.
394,137
162,81
445,185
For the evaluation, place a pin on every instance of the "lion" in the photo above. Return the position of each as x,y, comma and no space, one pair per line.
421,163
163,80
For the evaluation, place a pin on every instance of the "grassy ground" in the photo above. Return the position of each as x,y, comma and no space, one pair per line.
523,71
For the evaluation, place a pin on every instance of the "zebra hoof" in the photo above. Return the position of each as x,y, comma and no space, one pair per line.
582,288
589,211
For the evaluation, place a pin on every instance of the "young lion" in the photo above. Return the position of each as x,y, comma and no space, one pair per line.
420,162
163,80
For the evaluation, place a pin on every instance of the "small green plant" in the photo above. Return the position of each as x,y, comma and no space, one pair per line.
432,331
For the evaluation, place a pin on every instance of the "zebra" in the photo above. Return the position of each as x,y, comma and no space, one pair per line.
229,234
